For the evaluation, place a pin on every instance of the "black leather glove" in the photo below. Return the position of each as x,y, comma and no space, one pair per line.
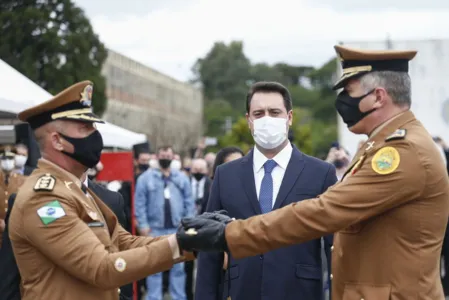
202,234
220,216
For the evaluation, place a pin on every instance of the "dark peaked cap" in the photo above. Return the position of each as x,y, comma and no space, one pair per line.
74,103
356,62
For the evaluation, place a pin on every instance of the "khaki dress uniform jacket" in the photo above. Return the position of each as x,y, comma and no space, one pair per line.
389,213
15,180
69,245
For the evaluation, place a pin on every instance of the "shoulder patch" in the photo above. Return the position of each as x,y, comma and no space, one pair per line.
397,135
50,212
45,183
386,160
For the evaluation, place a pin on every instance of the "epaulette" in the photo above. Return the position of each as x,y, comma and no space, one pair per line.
45,183
397,135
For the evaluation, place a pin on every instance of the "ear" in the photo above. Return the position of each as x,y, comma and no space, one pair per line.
381,98
56,141
290,117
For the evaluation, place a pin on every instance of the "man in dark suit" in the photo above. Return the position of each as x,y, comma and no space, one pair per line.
274,174
200,192
9,273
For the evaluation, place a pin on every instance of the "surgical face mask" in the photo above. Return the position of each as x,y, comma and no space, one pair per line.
175,165
7,164
269,132
154,164
20,160
348,108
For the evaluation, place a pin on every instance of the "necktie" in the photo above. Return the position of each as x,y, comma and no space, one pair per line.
266,188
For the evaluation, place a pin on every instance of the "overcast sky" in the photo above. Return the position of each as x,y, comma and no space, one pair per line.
169,35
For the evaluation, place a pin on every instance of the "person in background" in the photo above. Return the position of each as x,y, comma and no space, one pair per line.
200,191
93,172
176,163
339,157
10,182
154,164
200,184
163,197
142,157
210,159
225,155
20,160
187,165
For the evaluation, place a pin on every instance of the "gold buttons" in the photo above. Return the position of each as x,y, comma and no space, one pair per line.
119,291
332,248
332,277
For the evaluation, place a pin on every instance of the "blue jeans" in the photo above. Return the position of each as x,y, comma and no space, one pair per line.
177,276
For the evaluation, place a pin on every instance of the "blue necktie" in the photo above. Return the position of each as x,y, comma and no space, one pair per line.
266,188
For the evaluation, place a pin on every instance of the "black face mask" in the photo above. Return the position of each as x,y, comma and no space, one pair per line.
339,164
198,176
164,163
348,108
143,167
87,151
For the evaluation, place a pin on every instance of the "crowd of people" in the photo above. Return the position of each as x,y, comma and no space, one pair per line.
272,223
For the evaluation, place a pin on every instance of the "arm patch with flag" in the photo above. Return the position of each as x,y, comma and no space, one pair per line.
50,212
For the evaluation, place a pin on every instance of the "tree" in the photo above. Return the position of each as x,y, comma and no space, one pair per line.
52,43
224,73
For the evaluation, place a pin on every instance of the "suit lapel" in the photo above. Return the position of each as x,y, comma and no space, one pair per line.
294,169
249,185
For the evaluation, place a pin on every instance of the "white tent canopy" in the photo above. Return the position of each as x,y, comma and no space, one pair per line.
17,93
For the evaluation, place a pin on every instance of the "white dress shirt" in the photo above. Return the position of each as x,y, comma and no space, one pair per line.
200,185
282,159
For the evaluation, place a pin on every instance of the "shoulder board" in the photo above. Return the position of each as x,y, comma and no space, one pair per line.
397,135
45,183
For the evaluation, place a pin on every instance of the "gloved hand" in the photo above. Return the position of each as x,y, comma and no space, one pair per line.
202,234
221,216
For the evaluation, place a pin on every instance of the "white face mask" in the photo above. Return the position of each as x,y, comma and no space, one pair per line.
175,165
269,132
153,163
20,160
7,164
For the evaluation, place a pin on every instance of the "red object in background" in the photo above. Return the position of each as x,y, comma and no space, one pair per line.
119,166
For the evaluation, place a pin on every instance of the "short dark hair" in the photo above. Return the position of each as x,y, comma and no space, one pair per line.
223,154
165,148
269,87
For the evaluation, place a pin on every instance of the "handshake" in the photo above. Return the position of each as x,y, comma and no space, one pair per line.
205,232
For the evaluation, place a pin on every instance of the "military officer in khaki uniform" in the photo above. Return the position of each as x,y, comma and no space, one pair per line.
9,183
67,243
389,211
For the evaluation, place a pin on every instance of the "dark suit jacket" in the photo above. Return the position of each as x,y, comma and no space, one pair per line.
9,273
289,273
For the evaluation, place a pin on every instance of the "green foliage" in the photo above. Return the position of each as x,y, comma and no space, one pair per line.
53,44
226,73
239,136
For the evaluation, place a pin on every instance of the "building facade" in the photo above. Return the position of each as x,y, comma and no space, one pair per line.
143,100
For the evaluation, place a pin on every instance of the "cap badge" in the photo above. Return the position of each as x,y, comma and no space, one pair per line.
86,96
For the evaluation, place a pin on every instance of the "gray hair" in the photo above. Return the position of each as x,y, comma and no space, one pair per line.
397,85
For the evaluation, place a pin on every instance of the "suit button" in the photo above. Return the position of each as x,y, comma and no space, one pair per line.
332,248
